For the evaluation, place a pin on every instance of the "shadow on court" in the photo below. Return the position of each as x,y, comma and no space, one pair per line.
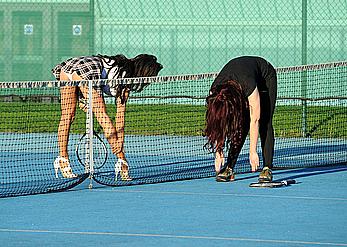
299,173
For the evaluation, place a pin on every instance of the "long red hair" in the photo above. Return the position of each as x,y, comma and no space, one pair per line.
225,116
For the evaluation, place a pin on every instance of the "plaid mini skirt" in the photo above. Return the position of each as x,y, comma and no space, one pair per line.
87,67
93,68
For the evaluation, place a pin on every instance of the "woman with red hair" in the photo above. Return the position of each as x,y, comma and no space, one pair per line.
241,101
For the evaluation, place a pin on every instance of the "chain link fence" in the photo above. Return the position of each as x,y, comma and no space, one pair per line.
187,36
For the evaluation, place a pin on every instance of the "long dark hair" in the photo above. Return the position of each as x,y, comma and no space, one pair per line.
225,116
145,65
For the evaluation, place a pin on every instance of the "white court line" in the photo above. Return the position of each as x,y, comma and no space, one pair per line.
221,194
122,234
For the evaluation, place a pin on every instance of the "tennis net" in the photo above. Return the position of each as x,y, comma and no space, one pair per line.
164,123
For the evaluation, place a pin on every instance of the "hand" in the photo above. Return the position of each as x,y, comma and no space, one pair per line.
219,161
83,105
254,160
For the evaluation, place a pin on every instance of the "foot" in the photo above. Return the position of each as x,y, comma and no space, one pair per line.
122,168
226,175
64,166
265,175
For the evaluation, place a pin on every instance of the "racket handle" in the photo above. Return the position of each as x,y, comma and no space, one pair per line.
288,182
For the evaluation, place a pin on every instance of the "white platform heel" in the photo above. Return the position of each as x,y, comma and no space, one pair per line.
65,171
124,173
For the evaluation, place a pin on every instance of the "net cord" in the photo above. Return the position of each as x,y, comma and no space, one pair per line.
158,79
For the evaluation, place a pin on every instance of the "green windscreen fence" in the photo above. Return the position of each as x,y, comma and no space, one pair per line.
188,36
35,35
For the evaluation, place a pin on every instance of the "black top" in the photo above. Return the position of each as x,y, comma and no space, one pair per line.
250,72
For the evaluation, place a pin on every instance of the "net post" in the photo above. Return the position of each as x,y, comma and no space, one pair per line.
90,132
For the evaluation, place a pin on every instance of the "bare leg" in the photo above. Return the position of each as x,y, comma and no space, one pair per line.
68,110
120,123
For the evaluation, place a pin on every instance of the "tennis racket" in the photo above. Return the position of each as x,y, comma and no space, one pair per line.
99,147
99,150
275,184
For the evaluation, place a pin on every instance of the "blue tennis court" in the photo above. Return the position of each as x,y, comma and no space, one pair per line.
185,213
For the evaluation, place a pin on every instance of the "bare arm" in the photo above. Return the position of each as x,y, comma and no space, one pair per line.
254,107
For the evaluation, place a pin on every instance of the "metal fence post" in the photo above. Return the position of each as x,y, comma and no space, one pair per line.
304,62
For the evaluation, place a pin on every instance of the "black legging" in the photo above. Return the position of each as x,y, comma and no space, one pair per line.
268,98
